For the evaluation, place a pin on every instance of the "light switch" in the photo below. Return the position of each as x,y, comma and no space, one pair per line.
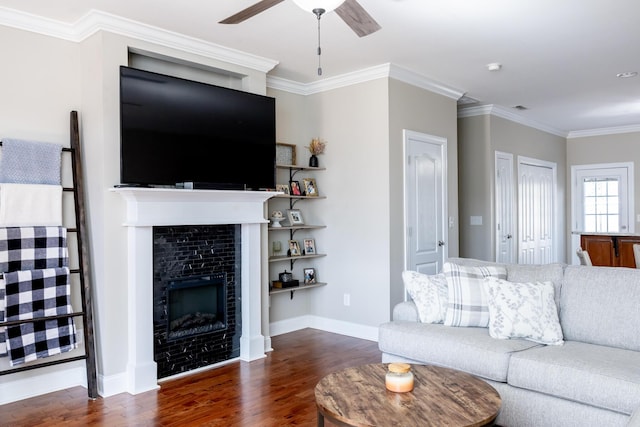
476,220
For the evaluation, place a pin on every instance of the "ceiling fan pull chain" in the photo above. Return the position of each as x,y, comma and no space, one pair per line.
318,12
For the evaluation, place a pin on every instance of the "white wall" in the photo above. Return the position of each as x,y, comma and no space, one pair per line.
480,137
363,125
422,111
353,121
38,90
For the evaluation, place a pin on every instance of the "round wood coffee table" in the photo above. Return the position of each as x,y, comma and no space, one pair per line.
440,397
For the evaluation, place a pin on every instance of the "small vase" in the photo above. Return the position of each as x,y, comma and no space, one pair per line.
313,161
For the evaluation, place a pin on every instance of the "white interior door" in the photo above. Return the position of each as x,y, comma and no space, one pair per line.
425,201
505,223
536,196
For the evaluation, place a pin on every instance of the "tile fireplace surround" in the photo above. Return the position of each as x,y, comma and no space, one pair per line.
149,207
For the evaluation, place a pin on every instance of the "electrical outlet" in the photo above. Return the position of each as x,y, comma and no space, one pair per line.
347,300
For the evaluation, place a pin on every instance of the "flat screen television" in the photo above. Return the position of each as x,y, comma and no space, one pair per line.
175,130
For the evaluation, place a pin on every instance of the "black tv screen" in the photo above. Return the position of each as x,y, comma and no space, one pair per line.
175,130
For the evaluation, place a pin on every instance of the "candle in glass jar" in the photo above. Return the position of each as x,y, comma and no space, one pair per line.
399,378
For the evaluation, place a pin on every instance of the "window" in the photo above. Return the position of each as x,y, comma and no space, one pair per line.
603,198
601,205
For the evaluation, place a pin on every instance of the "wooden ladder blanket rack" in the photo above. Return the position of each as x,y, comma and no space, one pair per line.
83,271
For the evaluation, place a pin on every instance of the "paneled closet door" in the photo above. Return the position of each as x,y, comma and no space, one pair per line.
536,196
505,226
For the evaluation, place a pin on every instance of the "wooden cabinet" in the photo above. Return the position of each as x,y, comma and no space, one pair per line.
610,250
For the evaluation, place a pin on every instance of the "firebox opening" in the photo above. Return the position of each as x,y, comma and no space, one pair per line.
196,305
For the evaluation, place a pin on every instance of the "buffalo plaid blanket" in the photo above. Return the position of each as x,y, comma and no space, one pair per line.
3,340
32,294
33,248
29,248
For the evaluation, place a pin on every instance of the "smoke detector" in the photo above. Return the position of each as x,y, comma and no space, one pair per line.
494,66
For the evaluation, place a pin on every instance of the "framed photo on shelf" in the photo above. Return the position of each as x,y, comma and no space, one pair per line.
295,217
310,188
295,188
309,276
294,248
285,154
283,188
309,246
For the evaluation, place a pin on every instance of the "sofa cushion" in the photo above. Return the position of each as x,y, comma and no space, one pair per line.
429,294
604,377
600,305
553,273
522,310
468,349
466,301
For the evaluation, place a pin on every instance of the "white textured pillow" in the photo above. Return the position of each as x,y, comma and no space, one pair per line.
523,310
429,293
467,302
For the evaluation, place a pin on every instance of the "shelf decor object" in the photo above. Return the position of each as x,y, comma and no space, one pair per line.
285,154
316,147
276,218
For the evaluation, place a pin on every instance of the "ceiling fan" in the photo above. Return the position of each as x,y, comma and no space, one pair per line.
351,12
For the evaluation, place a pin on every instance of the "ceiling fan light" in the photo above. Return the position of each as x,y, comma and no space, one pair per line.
309,5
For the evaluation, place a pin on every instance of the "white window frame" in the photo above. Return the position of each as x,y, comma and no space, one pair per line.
577,202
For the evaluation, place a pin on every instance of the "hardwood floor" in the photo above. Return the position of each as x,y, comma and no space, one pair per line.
275,391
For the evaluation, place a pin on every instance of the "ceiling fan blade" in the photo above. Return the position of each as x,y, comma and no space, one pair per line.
247,13
357,18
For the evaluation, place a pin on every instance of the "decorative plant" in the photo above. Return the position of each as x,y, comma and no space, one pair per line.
317,146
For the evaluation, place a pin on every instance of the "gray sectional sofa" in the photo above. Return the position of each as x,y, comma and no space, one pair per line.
593,379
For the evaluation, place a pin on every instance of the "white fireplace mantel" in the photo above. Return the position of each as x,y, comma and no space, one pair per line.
149,207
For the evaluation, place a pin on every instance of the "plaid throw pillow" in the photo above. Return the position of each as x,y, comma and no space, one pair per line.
467,300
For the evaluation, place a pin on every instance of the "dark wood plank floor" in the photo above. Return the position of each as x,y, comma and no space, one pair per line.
275,391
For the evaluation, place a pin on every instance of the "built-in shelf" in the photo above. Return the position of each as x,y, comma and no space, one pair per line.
291,201
297,227
300,168
286,196
293,258
295,288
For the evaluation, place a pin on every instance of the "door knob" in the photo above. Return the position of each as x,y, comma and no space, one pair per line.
509,236
440,242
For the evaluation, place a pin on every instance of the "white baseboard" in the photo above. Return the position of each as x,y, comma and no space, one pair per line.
112,384
341,327
26,384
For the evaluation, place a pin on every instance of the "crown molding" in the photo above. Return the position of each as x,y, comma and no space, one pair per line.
361,76
423,82
95,21
36,24
347,79
498,111
603,131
